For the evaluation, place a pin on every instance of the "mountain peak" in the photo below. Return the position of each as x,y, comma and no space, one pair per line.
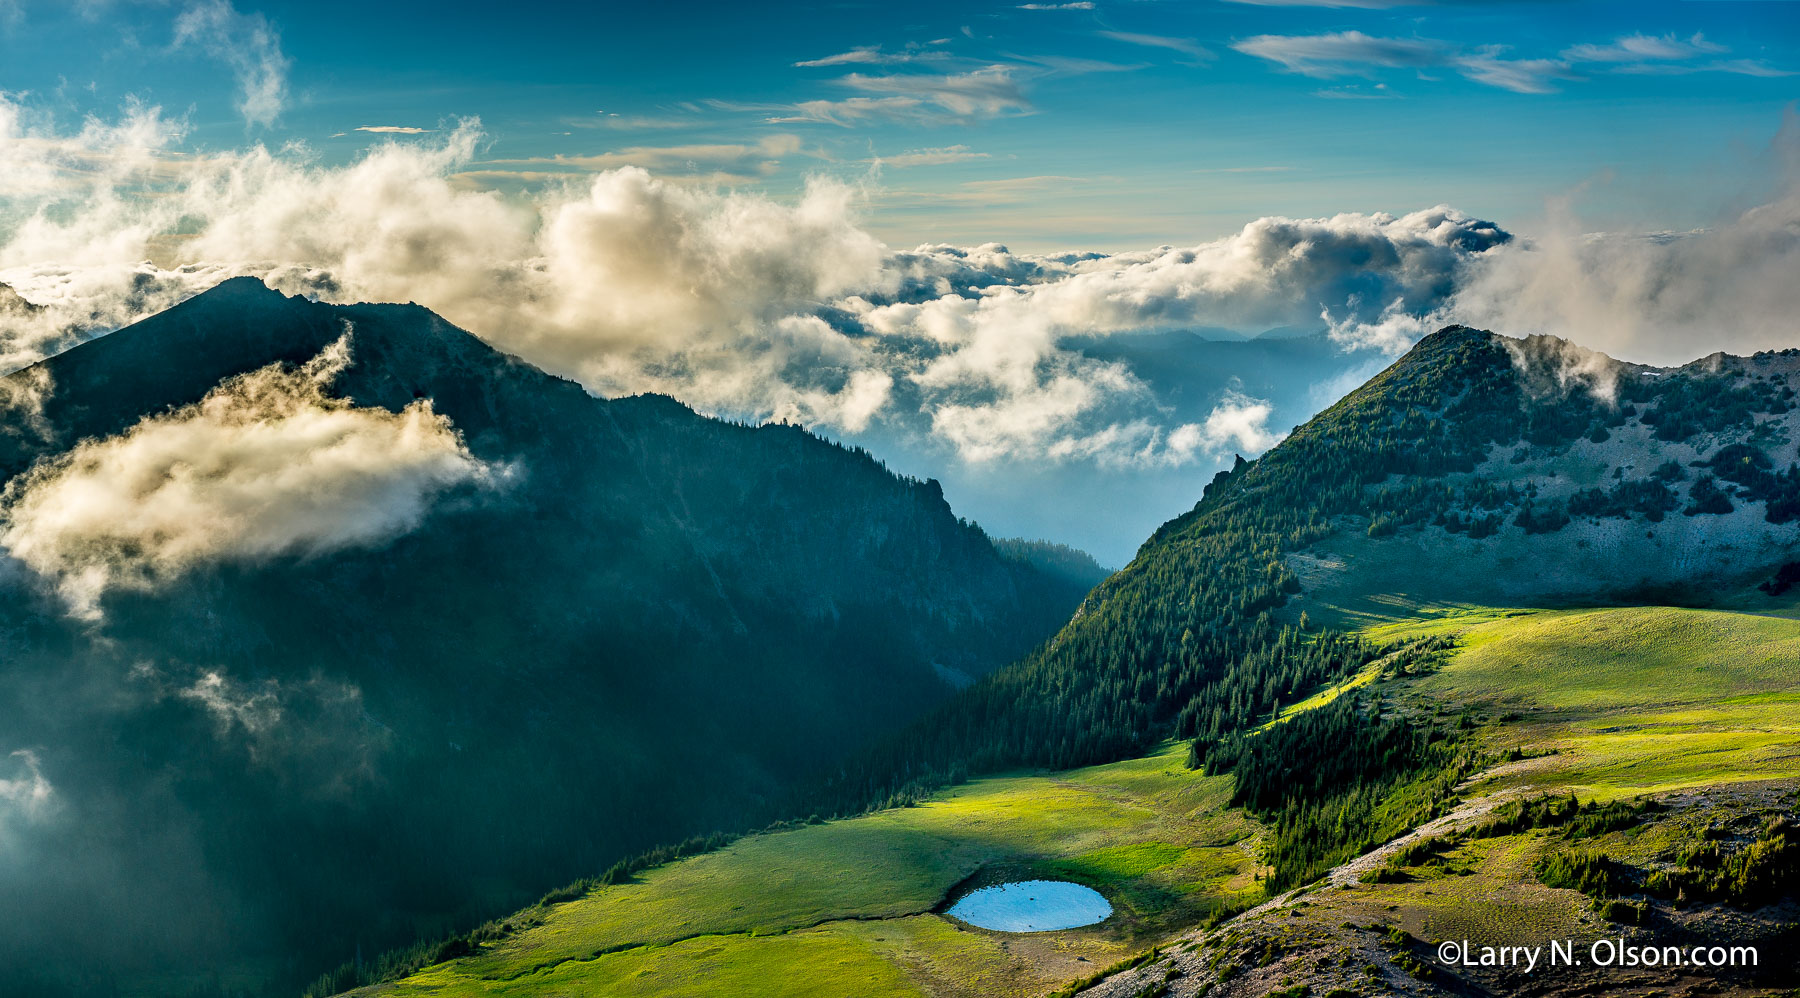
1452,343
239,293
399,353
243,286
1454,333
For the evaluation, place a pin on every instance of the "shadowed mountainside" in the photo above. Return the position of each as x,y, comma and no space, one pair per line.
649,626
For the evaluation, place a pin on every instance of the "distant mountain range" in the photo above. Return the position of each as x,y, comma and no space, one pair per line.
581,628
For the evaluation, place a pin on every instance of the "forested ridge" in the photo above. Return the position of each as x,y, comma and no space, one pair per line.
1183,641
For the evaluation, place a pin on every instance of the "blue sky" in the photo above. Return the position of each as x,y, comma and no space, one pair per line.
1106,125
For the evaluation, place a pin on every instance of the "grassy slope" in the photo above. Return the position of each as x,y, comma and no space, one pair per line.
1609,703
1635,700
1696,706
845,906
1612,703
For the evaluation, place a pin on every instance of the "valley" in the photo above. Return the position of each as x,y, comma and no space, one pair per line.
1692,708
1054,499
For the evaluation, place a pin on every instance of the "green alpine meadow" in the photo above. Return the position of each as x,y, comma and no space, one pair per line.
977,499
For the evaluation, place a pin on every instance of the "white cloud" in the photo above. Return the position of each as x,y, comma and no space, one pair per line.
266,465
1239,422
392,129
1661,298
1651,299
249,45
1032,415
998,379
1077,5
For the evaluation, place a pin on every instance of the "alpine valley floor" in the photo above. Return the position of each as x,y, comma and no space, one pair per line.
1687,719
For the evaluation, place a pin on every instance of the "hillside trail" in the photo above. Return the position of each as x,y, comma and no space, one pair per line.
1349,874
1185,954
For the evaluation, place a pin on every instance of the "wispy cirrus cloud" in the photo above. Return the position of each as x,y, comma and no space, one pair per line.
1378,92
918,98
1185,46
1353,53
1739,67
1344,52
847,113
876,55
391,129
1353,4
1636,48
1667,54
1521,76
982,93
759,158
614,121
939,156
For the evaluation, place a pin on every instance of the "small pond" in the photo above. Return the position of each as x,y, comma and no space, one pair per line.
1032,906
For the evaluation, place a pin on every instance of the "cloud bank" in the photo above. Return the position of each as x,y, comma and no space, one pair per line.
756,307
265,465
1657,298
